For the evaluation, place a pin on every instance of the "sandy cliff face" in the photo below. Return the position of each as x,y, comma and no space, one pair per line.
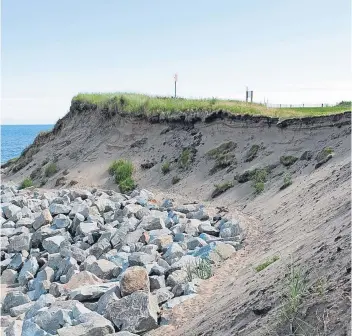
306,224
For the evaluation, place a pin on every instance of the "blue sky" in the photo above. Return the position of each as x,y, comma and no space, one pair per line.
291,51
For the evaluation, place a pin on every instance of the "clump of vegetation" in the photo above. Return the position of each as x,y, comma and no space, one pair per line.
185,158
344,103
259,187
221,188
252,153
296,290
50,169
259,178
288,160
113,166
287,181
165,168
26,183
326,151
200,269
127,185
9,162
222,155
122,170
225,147
324,156
266,263
175,179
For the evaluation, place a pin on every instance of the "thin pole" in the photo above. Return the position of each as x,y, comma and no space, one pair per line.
175,88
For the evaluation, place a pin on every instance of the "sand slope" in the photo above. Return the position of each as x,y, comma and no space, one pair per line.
307,224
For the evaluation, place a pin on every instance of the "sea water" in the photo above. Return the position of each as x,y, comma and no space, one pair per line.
15,138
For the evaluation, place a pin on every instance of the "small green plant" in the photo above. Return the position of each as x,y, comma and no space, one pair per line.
296,290
222,155
200,269
127,185
259,178
259,187
113,166
324,153
122,170
185,158
26,183
165,168
266,263
175,179
287,181
50,169
221,149
189,271
221,188
288,160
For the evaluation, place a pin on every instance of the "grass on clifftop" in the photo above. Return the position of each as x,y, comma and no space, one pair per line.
148,105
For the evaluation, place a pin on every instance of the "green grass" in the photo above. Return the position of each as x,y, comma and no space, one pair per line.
288,160
259,187
127,185
201,269
295,291
266,263
287,181
50,169
26,183
259,178
148,105
123,170
165,168
185,158
221,188
326,151
223,156
224,148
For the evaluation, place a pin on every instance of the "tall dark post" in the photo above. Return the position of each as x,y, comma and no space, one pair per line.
175,78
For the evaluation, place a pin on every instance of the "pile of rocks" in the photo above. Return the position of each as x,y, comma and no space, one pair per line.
95,263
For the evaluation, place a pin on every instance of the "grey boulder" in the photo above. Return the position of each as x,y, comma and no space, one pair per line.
14,299
56,209
30,266
90,324
136,313
52,244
